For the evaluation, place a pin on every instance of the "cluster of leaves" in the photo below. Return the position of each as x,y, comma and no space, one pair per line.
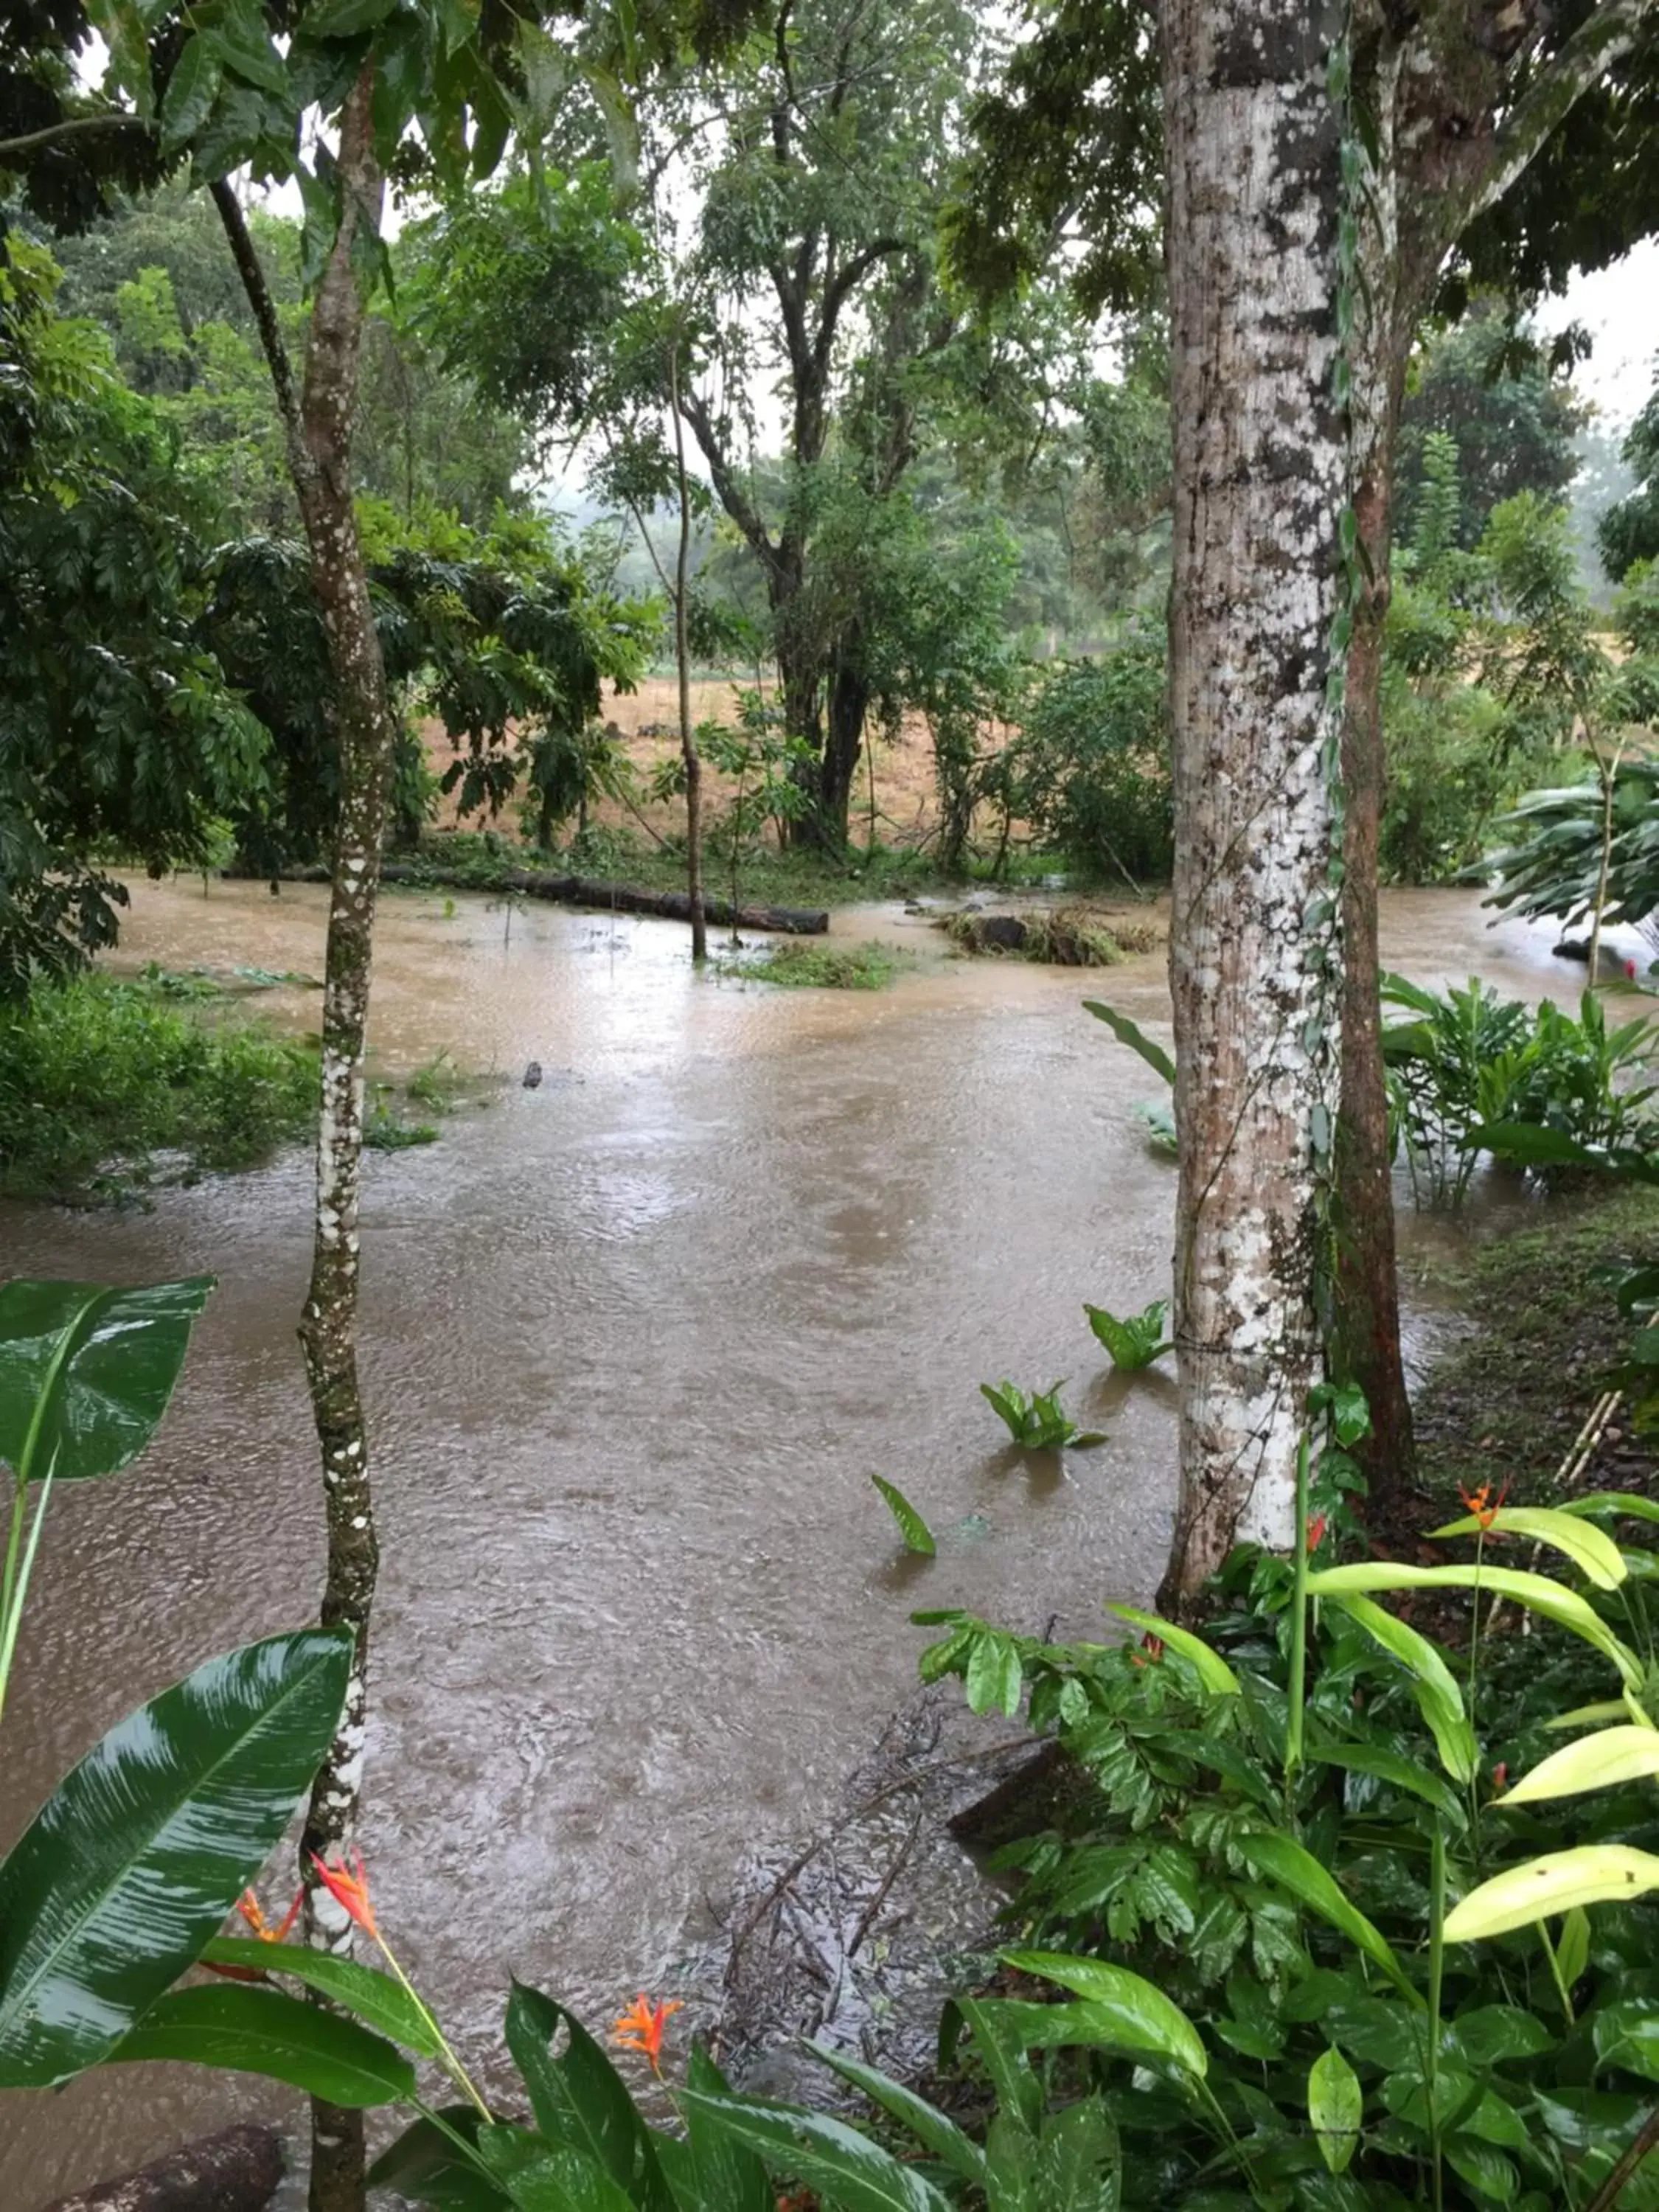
1092,765
1286,1873
117,728
97,1075
1491,668
1469,1060
183,1800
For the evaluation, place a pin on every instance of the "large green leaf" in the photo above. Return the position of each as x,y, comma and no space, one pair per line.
381,2002
86,1371
1212,1670
932,2128
918,1536
825,2154
1536,1592
1588,1548
709,2167
256,2031
1433,1685
579,2100
542,2177
1283,1860
128,1869
1612,1755
1149,2022
1559,1882
1131,1033
425,2165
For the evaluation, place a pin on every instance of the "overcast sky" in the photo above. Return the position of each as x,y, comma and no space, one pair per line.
1619,306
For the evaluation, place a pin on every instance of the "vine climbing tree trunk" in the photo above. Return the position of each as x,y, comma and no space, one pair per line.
1253,182
319,424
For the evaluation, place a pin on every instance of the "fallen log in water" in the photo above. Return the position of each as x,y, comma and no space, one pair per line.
235,2171
616,898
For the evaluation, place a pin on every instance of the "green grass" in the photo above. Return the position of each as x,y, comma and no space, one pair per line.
1506,1403
98,1076
807,963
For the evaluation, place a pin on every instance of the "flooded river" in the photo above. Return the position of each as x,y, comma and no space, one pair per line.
633,1343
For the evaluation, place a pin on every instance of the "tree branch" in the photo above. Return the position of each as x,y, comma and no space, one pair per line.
72,126
1601,40
250,270
729,492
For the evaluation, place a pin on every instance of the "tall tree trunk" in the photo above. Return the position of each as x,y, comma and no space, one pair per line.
320,448
843,746
1260,476
689,751
1365,1346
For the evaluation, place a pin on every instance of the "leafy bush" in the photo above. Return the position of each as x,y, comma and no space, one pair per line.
1291,1828
1037,1422
801,965
1471,1060
94,1072
1136,1341
1092,765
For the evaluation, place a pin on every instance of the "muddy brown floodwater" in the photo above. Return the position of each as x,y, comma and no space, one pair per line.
634,1344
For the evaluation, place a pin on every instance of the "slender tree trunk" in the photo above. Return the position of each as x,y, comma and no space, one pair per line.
683,663
319,446
1365,1346
843,746
1259,467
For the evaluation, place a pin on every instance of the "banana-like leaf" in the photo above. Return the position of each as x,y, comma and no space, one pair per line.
375,1999
1590,1550
1610,1709
255,2030
86,1371
124,1874
843,2165
1537,1592
1595,1762
1132,1034
1283,1860
918,1536
1212,1669
1439,1697
1628,1504
932,2129
1559,1882
1146,2018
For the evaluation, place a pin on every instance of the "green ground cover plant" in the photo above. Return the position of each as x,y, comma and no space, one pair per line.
809,963
98,1075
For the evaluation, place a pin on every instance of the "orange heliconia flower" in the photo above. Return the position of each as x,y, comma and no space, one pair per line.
248,1905
1317,1532
1484,1507
640,2027
349,1885
1500,1777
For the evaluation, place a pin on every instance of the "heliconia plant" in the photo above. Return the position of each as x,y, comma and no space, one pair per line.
120,1880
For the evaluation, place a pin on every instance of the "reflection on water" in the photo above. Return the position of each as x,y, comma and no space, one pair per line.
633,1345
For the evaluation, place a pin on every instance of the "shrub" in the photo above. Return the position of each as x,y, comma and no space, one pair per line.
1470,1059
1091,766
97,1075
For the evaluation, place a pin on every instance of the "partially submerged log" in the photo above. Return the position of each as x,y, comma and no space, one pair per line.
236,2171
616,898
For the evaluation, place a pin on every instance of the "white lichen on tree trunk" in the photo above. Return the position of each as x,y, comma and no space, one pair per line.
1260,464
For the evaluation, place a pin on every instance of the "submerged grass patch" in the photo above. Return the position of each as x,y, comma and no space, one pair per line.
798,963
1066,937
98,1076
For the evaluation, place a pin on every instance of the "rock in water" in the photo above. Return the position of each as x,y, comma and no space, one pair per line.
532,1075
